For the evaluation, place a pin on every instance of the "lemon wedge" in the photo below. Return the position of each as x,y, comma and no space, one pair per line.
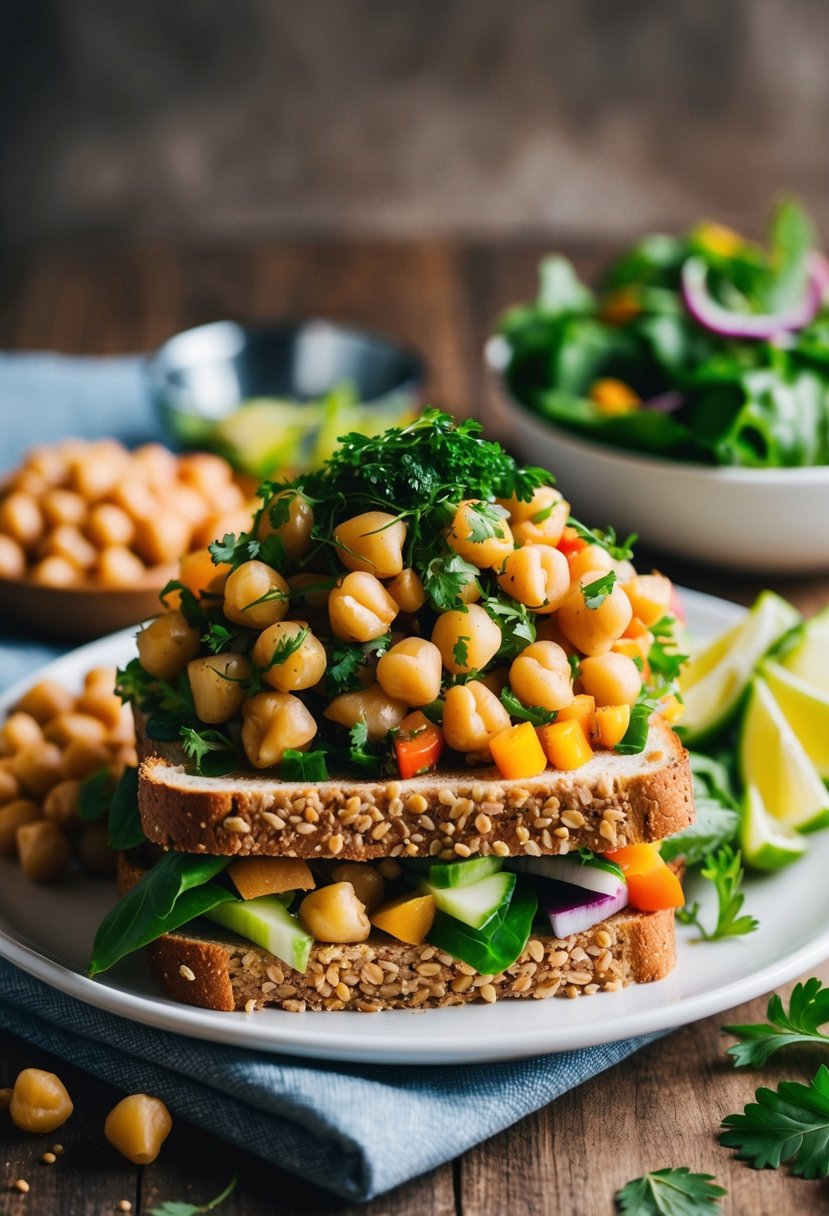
766,843
805,708
808,658
714,682
774,761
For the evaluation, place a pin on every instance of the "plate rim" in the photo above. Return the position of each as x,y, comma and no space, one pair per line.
403,1044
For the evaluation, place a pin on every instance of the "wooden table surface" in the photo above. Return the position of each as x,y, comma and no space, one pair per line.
662,1107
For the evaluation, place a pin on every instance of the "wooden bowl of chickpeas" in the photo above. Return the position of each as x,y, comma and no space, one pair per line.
90,532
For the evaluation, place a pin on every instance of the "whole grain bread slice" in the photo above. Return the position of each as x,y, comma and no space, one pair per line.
217,970
611,801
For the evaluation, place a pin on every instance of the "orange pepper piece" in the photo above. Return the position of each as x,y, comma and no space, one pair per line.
518,753
652,885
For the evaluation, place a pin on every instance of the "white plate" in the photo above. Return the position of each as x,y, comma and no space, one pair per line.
48,932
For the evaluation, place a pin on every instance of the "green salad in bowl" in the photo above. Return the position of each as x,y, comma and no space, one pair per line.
708,348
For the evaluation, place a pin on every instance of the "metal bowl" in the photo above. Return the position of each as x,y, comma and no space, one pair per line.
201,376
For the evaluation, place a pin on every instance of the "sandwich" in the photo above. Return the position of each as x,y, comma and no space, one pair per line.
406,742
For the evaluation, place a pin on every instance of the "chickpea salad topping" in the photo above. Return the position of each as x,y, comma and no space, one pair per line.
420,600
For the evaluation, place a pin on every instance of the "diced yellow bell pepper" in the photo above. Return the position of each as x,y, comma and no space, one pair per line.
719,239
582,709
408,918
620,306
518,753
614,397
650,596
672,710
636,649
565,744
612,722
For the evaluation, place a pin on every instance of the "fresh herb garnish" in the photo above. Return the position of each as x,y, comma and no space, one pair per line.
526,713
460,651
635,738
605,539
303,766
724,869
213,754
808,1011
444,580
287,645
517,625
95,795
192,611
670,1192
175,1207
596,593
575,666
486,521
787,1125
125,830
342,674
360,751
716,822
664,659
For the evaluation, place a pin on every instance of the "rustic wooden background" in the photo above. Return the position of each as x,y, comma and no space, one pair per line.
660,1108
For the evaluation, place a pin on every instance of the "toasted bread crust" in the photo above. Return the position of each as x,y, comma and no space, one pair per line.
612,801
229,973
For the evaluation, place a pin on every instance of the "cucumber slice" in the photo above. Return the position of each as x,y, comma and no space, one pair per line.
476,904
267,922
493,949
462,873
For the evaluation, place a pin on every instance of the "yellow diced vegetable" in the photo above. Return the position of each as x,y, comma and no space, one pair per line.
518,753
408,918
614,397
565,744
612,722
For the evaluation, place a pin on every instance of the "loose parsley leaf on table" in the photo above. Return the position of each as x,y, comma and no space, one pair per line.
724,869
786,1125
670,1192
808,1010
175,1207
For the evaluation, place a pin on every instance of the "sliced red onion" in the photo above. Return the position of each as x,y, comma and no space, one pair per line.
665,403
711,315
601,877
573,910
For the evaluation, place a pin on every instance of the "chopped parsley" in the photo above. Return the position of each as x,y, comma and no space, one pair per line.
596,593
526,713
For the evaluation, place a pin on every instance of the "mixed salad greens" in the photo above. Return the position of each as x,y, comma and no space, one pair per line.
704,347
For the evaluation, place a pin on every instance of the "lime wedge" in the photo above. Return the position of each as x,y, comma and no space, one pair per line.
806,709
714,682
773,759
766,843
808,658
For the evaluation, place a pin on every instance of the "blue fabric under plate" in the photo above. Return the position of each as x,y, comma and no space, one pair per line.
355,1130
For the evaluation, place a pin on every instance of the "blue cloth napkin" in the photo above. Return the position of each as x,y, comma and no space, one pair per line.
356,1130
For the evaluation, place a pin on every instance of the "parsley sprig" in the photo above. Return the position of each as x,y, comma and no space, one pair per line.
596,593
787,1125
808,1011
670,1192
724,869
175,1207
526,713
605,539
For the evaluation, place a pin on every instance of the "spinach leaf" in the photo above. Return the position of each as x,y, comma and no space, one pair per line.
95,795
125,830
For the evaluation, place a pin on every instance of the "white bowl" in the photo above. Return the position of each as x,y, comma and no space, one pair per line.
769,520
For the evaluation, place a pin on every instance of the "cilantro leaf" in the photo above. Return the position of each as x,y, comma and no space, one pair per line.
526,713
664,659
218,637
460,651
808,1010
132,682
191,609
173,1207
213,754
724,869
303,766
606,540
670,1192
223,552
342,672
596,593
486,520
360,750
444,580
789,1124
515,622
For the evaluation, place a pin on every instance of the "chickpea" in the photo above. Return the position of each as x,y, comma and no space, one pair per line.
468,640
472,518
92,847
335,914
12,816
411,671
373,543
612,679
594,630
218,524
38,767
204,471
360,609
163,537
215,683
157,464
380,712
542,520
80,759
167,645
301,669
295,531
137,1127
198,571
9,786
537,576
63,507
61,803
244,594
119,567
21,518
12,558
43,850
39,1102
472,716
19,730
54,571
95,472
311,589
50,462
591,557
273,722
45,699
106,707
650,596
190,503
541,676
367,882
134,497
69,542
407,591
65,728
109,525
